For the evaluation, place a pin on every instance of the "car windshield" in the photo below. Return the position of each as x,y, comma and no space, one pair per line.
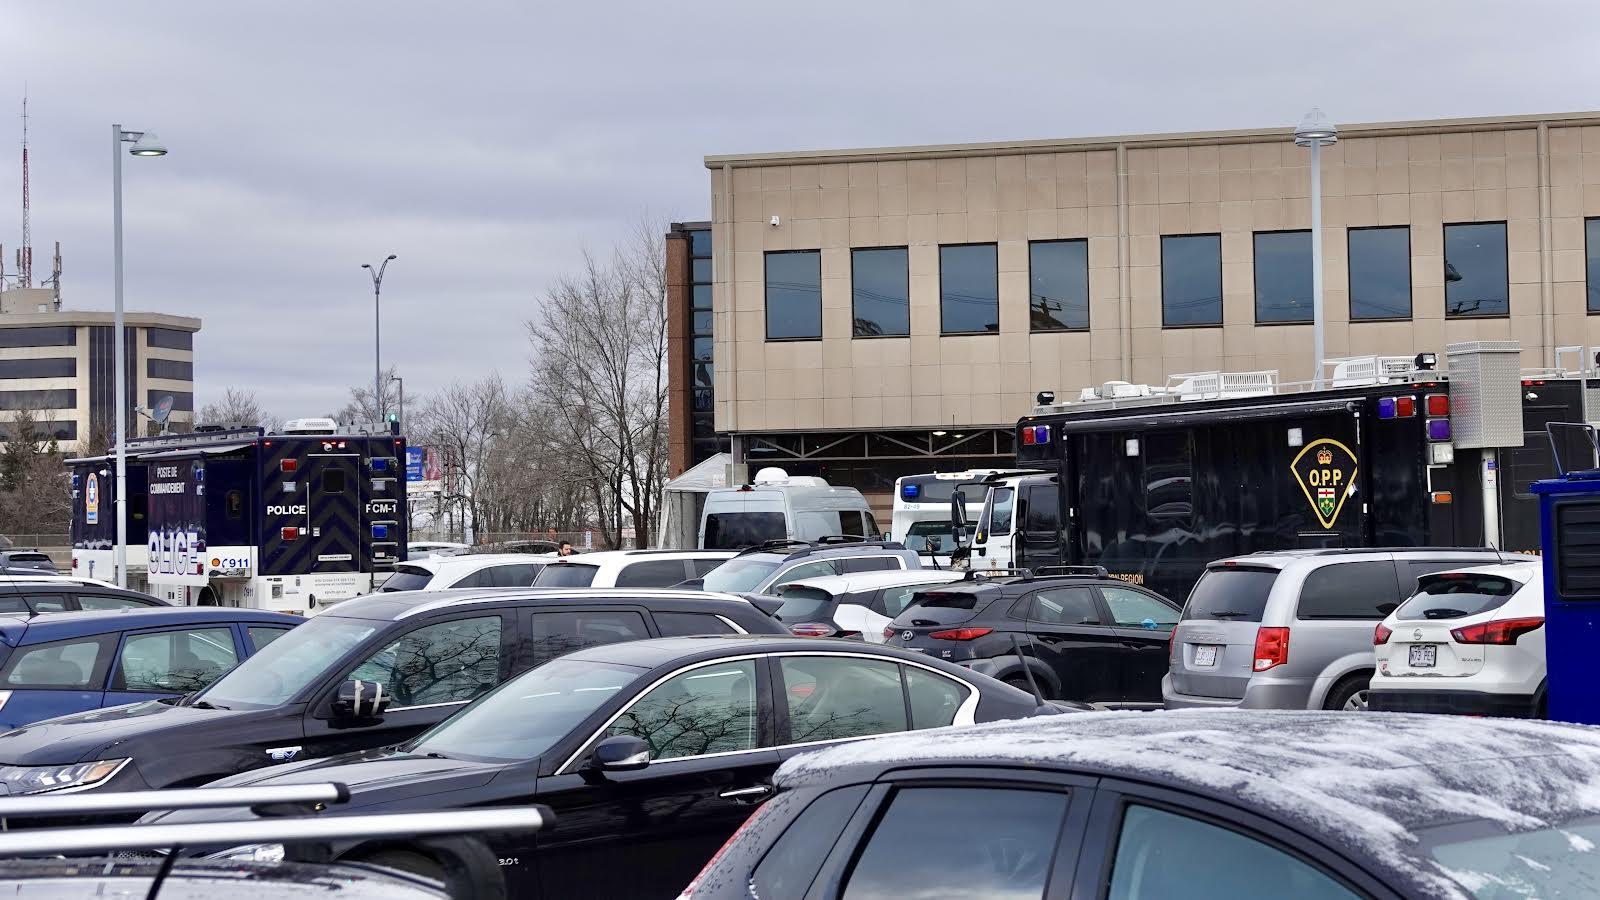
1454,595
284,667
566,575
942,534
527,715
1546,862
739,575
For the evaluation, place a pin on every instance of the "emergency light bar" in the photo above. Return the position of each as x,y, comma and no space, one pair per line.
911,491
1033,435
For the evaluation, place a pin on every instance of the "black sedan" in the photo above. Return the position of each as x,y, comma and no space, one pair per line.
651,753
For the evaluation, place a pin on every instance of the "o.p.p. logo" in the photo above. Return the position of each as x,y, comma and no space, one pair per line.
1326,471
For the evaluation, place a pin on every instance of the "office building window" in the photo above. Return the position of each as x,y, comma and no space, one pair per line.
45,430
1380,273
182,401
59,398
969,289
880,293
178,369
170,338
794,295
1591,244
1476,282
1058,286
1283,276
56,367
1191,280
44,336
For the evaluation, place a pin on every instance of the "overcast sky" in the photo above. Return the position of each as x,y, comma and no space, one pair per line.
488,143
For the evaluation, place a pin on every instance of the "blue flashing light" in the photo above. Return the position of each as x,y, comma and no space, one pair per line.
380,464
911,491
380,532
1386,408
1041,434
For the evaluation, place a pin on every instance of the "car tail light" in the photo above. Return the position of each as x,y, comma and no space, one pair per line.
74,562
688,892
811,629
1380,635
1502,631
888,632
960,634
1272,648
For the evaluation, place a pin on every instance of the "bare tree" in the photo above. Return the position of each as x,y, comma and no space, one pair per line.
462,423
360,408
599,379
237,407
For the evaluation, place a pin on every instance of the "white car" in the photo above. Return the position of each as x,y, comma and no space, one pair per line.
475,570
1468,641
631,568
855,605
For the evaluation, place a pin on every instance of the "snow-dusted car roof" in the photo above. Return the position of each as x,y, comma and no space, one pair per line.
1366,782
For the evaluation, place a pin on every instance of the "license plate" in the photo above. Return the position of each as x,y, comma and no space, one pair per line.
1424,656
1205,655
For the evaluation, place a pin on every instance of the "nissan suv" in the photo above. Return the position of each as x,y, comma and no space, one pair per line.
1292,629
764,568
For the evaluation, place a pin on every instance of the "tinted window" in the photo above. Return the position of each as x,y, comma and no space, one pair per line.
804,604
1283,276
1041,516
652,573
450,662
50,336
702,566
181,400
1065,606
710,709
880,292
969,290
12,603
47,602
262,635
480,578
1168,477
1475,277
64,664
1380,273
803,571
175,662
60,398
289,665
1359,590
735,531
177,369
66,367
791,865
170,338
1135,609
893,601
567,575
1191,280
1058,285
852,523
868,563
947,607
407,578
513,575
552,634
1232,594
682,624
935,699
930,535
1003,847
1162,854
999,511
1455,595
101,601
794,295
739,575
833,697
1413,569
1591,243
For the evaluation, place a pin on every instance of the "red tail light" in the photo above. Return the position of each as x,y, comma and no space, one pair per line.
811,629
1380,635
1272,648
289,534
960,634
1172,646
688,892
1504,631
74,562
888,632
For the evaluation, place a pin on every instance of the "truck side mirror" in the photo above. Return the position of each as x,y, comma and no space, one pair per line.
958,517
360,702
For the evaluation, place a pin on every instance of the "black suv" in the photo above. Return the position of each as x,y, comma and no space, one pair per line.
1082,635
431,652
764,568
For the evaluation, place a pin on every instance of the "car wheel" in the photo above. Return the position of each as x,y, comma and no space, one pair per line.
406,861
1349,695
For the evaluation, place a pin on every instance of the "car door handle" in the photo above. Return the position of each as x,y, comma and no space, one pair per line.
749,794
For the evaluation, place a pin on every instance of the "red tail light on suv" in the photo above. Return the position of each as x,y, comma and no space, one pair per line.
1272,648
1502,631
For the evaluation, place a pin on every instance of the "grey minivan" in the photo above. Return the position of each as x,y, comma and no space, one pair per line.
1293,629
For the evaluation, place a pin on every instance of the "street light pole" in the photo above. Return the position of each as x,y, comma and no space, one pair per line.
377,332
402,383
1314,132
143,145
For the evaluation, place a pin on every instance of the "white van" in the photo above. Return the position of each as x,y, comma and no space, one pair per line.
777,506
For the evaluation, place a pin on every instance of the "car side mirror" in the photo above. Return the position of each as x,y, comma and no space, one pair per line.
621,753
360,701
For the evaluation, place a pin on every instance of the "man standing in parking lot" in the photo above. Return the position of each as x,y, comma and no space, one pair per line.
565,549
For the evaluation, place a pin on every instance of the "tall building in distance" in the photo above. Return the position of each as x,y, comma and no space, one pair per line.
58,365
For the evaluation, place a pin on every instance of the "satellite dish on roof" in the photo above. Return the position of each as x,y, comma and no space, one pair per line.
163,410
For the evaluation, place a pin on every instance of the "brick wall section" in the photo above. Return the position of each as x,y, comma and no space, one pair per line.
678,401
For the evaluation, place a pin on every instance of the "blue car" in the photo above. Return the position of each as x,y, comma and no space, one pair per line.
53,664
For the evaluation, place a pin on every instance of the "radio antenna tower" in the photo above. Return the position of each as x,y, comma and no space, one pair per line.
25,254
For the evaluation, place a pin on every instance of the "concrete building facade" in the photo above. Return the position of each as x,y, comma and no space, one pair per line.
58,365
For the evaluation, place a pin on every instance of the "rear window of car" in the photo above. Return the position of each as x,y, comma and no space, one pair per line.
566,575
1354,590
652,573
803,604
407,578
1456,595
1231,594
947,607
736,531
29,557
58,665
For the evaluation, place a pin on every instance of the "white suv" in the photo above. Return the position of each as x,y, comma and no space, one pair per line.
474,570
1468,641
631,568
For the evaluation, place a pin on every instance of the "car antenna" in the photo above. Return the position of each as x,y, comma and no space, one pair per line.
1027,672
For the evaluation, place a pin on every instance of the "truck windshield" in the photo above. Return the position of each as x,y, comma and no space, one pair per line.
738,530
739,575
939,532
286,666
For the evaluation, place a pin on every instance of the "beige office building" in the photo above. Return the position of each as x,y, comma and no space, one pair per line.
58,365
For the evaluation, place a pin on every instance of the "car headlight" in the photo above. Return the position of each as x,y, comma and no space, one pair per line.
257,853
39,779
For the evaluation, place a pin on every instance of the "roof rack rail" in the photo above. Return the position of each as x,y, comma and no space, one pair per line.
841,539
1074,571
974,574
765,546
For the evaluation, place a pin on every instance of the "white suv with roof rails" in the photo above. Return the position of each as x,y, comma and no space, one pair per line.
475,570
630,568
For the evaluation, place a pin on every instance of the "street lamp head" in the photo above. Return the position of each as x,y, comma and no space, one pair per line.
1315,129
148,145
391,256
366,265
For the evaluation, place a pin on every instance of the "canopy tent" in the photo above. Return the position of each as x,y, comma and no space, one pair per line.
684,498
